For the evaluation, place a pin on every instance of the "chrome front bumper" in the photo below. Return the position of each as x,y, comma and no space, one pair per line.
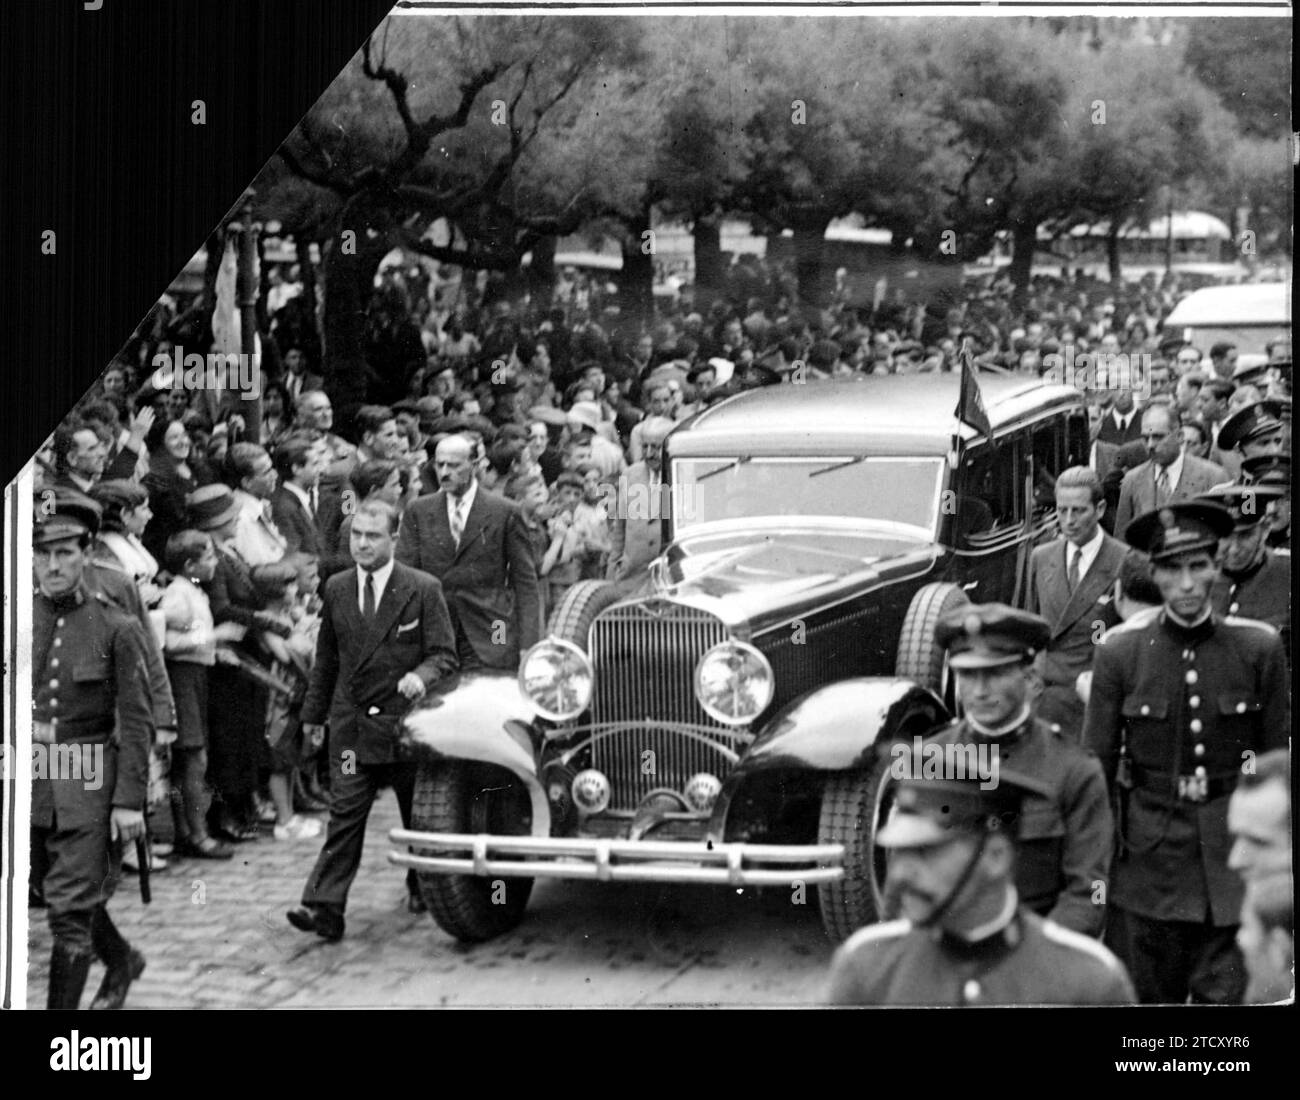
606,860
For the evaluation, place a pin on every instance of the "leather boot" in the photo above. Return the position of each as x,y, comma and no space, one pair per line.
68,970
124,964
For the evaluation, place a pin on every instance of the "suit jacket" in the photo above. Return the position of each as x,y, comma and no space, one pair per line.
1110,432
1137,492
302,534
1073,616
354,680
636,531
490,579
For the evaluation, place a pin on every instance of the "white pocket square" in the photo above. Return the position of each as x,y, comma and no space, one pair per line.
408,626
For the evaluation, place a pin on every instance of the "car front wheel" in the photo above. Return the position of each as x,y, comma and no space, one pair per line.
465,797
855,805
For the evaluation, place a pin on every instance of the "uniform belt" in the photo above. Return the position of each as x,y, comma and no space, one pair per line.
1185,788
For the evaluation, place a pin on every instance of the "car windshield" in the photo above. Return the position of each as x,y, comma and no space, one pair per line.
842,487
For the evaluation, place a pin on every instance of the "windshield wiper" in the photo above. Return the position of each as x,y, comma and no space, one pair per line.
838,466
723,469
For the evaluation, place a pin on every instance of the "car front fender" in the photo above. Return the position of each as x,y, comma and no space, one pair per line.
480,716
837,727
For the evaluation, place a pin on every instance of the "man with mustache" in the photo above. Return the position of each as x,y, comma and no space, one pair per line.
965,939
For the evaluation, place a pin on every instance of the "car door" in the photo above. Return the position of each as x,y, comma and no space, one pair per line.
987,526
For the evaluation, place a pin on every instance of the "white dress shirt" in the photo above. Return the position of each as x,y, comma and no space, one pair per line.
256,535
381,576
468,497
1087,553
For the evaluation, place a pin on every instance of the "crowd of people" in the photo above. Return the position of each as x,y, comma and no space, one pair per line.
483,416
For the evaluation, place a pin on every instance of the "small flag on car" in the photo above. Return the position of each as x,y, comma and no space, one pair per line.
970,403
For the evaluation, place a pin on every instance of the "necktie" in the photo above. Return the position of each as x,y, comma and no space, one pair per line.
1162,488
458,520
1072,577
368,606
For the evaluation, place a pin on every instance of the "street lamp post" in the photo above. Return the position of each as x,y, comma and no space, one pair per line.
246,299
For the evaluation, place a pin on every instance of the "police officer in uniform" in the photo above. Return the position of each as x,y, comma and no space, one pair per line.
88,661
965,939
1253,582
1179,702
1066,838
1252,431
1274,470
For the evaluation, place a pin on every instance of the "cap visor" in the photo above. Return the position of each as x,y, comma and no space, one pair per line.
986,660
910,831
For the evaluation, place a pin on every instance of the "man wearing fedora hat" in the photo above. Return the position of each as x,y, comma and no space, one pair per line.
1181,702
965,938
91,700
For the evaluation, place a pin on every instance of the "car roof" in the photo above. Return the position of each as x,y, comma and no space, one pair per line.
1247,304
912,414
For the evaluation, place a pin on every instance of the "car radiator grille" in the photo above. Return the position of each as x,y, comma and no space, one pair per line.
645,656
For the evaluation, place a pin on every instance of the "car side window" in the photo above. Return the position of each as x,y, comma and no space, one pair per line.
985,493
1048,451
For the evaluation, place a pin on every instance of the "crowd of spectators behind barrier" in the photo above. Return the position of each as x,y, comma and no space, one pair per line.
227,537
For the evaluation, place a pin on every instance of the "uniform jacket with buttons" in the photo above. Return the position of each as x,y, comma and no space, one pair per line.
90,683
1211,697
1064,844
1030,962
1264,594
358,665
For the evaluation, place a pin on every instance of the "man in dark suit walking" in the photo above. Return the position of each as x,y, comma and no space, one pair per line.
385,639
1168,476
476,543
1120,423
1071,582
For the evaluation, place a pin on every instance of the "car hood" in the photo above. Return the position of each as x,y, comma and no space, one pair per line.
754,579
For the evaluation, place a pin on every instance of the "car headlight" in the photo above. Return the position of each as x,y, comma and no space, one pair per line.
555,677
733,683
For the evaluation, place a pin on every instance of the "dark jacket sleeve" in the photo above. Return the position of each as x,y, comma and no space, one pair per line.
325,669
408,536
1103,718
1086,853
523,579
134,718
1275,695
439,643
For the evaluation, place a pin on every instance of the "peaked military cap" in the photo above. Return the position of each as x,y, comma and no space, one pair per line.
991,634
1250,422
1179,528
928,811
1268,470
1247,504
64,515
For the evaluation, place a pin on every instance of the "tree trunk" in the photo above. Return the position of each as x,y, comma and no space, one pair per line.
307,270
707,235
541,273
1112,254
1024,241
636,280
816,284
348,280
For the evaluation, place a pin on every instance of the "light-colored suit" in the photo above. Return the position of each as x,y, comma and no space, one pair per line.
1073,617
636,529
1137,493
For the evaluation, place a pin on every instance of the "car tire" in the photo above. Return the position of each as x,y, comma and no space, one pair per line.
854,807
468,797
572,618
920,658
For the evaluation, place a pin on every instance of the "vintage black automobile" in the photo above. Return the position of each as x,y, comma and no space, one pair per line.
723,722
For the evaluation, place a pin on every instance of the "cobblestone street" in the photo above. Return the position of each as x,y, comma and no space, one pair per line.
216,936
